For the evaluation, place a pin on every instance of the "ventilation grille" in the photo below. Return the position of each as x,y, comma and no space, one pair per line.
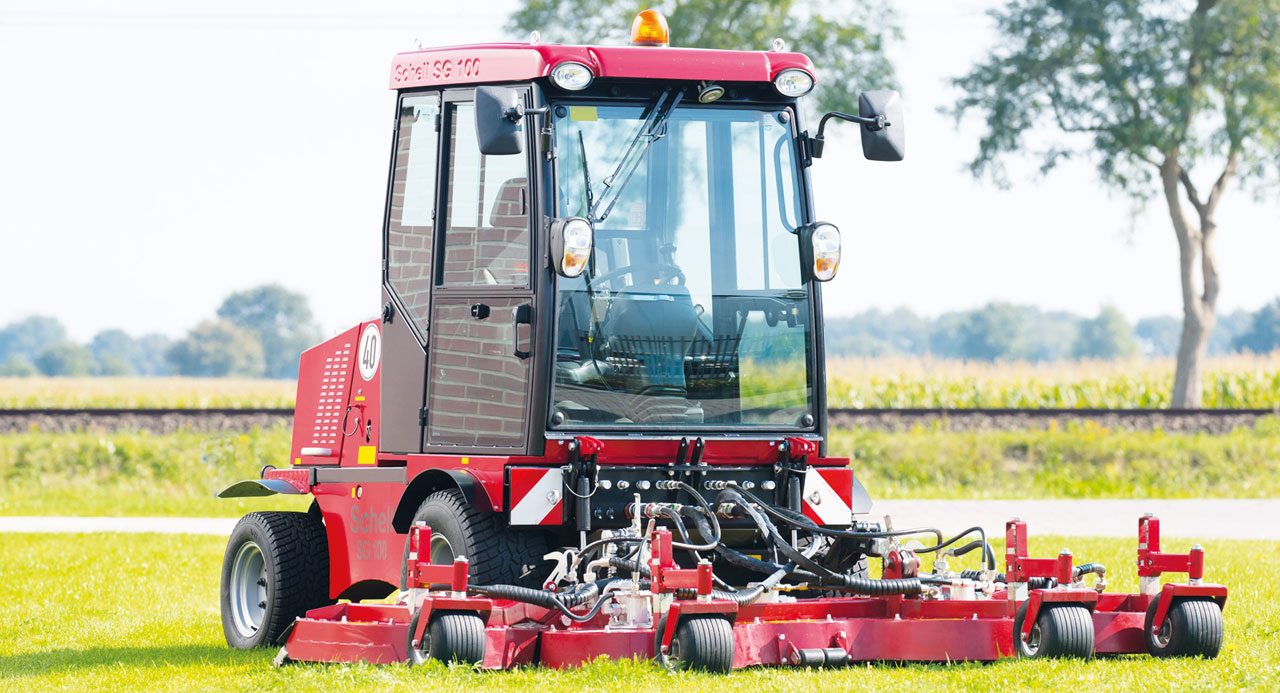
329,403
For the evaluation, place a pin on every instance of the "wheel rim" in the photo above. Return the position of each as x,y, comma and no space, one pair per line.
1165,634
248,589
441,549
1032,645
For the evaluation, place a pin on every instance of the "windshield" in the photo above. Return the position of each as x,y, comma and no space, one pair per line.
692,309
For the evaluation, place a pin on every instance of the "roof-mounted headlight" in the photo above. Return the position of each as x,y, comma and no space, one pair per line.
572,76
793,82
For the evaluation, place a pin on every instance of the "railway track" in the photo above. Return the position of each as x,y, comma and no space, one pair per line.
169,420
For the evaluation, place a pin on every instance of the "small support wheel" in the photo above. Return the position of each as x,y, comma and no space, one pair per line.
1060,630
704,643
1192,628
451,636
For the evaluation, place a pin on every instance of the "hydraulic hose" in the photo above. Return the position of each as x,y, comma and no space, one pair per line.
988,556
783,515
782,544
874,588
1086,568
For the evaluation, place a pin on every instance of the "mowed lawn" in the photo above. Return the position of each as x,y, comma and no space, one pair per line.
129,612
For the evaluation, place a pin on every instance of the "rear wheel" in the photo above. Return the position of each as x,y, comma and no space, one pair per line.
276,568
1060,630
1191,628
498,555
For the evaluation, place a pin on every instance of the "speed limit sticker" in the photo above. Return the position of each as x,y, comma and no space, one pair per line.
370,352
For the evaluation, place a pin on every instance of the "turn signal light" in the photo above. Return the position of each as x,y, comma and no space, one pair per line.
650,29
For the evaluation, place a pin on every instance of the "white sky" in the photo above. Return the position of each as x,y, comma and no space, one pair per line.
156,156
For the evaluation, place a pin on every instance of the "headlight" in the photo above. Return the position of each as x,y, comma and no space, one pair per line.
793,82
572,76
820,250
571,241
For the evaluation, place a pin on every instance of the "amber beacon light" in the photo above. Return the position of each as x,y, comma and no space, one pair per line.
650,29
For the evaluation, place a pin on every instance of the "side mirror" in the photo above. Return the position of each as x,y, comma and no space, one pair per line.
499,120
884,139
571,240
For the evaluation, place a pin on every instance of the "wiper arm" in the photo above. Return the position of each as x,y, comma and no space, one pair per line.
586,174
652,131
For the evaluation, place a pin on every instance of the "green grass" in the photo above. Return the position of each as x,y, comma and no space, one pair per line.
177,474
126,612
145,393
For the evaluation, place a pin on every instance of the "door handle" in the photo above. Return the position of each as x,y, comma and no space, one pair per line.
522,315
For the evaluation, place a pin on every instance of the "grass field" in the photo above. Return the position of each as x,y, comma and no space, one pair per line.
125,612
1240,381
178,474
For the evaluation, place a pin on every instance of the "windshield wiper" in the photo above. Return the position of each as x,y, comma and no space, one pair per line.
653,129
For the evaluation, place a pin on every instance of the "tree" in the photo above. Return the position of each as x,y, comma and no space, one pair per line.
1158,336
1263,335
27,338
281,321
65,358
846,40
993,332
1155,91
150,356
17,367
1107,336
215,349
115,351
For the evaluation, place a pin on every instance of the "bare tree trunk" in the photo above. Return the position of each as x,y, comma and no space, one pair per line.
1199,307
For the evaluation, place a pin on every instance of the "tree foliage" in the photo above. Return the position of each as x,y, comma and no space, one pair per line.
1263,335
1155,92
1107,336
845,39
216,349
65,358
28,337
280,320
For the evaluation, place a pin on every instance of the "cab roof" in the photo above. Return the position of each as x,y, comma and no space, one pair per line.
491,63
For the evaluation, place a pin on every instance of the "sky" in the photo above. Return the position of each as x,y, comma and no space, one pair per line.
156,156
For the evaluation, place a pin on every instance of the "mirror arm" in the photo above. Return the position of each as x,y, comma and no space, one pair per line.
873,124
517,112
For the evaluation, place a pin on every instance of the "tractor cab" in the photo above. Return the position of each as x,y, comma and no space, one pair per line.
601,240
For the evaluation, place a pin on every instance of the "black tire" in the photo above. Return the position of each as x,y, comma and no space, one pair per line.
1192,628
451,636
1061,630
704,643
498,555
290,554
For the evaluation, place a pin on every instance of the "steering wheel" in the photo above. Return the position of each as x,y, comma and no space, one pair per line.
657,269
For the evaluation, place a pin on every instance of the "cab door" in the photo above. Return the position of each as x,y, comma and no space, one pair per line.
480,354
407,264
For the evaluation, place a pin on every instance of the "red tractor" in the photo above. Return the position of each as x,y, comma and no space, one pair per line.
591,418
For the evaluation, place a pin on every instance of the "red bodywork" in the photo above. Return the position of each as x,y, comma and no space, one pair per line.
515,62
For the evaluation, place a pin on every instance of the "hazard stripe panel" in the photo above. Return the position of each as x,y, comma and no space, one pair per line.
828,496
536,496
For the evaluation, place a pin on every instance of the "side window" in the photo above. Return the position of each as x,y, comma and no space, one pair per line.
486,237
413,196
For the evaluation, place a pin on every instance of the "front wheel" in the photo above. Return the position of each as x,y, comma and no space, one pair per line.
276,568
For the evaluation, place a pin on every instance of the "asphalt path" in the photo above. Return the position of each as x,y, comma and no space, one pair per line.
1200,519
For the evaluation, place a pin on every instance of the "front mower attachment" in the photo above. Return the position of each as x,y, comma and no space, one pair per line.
1038,608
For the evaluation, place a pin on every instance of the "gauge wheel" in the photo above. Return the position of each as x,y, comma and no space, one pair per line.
1060,630
1191,628
450,636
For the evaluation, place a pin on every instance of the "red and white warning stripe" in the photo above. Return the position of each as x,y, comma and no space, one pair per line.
536,496
828,495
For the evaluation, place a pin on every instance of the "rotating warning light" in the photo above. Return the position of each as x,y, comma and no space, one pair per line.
650,29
